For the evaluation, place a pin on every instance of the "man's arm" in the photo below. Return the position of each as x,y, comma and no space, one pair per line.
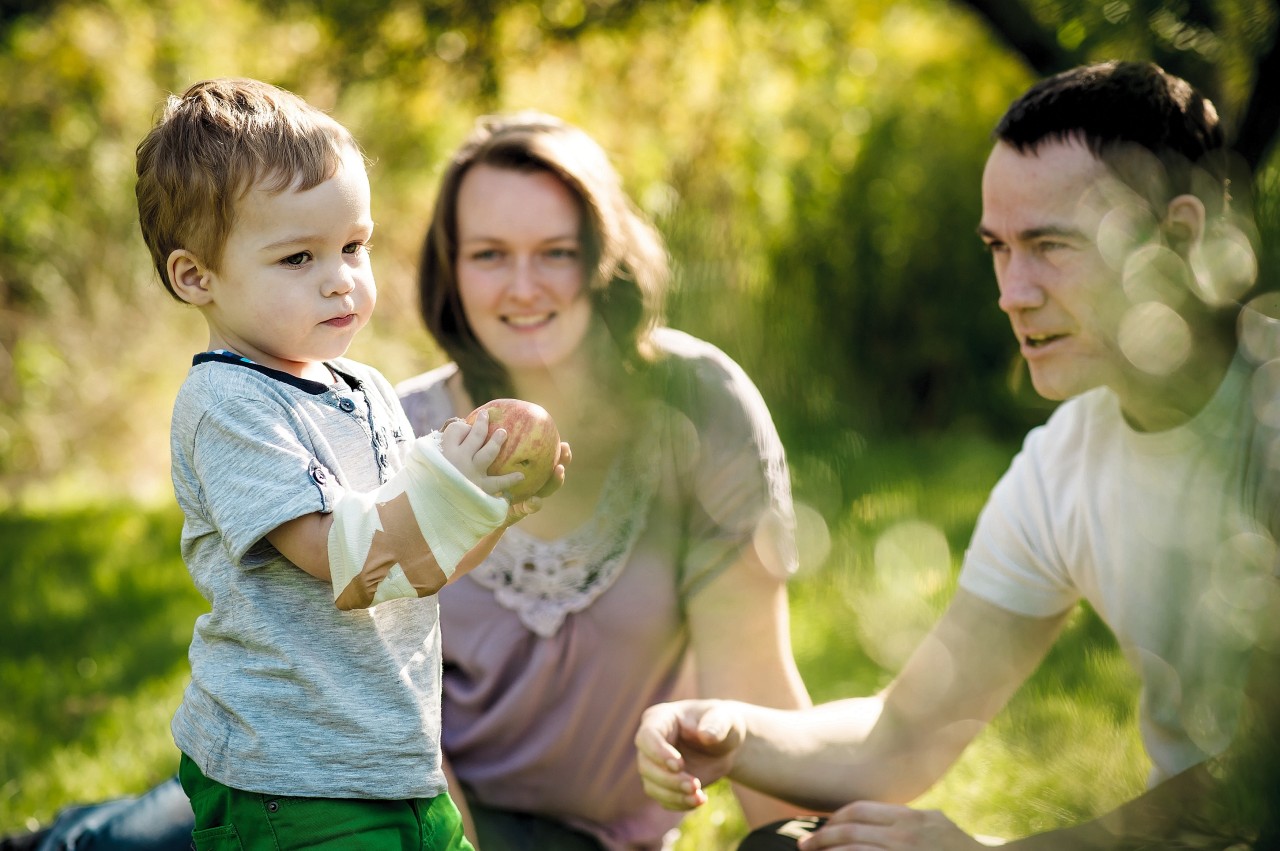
1199,802
888,749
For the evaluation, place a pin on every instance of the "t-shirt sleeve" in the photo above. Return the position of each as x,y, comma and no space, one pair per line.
255,474
1013,560
739,486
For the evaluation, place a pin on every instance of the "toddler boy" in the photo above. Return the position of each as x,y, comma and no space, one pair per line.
306,724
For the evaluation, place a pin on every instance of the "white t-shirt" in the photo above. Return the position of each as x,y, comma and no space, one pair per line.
1166,534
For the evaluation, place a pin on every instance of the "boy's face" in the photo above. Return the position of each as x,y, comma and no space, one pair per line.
295,283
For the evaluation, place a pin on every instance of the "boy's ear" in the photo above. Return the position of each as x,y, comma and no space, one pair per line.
1184,223
189,277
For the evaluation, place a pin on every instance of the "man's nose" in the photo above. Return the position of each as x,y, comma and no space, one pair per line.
1019,287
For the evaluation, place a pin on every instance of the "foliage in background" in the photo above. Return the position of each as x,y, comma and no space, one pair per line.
815,166
97,609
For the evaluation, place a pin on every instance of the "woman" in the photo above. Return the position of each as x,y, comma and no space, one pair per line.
659,569
670,541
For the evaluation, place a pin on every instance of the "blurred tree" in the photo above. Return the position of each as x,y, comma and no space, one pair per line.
814,165
1227,48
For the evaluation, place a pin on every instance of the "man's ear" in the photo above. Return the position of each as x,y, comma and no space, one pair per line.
1184,223
189,277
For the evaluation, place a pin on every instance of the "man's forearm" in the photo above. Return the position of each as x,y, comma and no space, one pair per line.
827,756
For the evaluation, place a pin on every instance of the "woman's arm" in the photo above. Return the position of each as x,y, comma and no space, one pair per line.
460,801
740,627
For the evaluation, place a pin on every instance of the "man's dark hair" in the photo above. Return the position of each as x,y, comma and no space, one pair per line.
1111,107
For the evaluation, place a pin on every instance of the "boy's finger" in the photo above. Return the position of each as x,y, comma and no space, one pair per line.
455,431
485,453
475,438
505,482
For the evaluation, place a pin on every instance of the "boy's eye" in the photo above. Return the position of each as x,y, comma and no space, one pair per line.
356,247
298,259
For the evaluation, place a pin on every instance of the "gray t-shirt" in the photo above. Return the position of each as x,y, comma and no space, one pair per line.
289,695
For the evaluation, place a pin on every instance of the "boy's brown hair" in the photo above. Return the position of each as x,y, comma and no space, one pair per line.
213,144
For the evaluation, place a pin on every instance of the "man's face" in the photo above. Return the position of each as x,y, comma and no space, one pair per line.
1042,216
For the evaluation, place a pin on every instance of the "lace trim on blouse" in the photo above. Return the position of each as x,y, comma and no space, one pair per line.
544,582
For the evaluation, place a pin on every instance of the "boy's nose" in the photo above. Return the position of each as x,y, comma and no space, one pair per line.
341,282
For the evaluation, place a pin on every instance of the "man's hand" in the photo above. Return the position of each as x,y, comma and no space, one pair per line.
684,746
866,825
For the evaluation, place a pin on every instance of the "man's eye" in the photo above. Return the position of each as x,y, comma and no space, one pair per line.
298,259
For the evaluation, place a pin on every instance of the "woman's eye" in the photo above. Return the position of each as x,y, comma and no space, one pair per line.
563,253
486,254
298,259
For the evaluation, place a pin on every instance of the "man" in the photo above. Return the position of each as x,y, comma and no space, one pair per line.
1148,493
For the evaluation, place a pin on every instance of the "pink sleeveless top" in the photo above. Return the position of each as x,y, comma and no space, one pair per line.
553,649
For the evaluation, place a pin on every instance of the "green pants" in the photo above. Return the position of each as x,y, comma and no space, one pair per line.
231,820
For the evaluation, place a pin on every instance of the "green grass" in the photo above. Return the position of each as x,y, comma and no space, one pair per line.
96,611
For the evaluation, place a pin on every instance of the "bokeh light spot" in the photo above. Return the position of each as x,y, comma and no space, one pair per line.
813,537
1154,338
1225,267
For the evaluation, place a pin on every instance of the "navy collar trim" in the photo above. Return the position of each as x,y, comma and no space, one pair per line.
315,388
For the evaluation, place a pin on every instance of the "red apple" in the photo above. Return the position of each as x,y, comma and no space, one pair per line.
532,447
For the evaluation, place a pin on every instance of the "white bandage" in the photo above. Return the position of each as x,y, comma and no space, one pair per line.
406,538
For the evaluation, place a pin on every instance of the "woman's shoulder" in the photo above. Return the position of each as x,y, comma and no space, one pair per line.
699,375
427,383
681,346
425,398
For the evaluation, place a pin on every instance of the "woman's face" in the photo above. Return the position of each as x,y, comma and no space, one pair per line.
519,266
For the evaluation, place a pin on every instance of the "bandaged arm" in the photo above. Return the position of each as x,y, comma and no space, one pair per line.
406,538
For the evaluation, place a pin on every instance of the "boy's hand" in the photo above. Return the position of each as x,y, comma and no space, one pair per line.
521,510
466,448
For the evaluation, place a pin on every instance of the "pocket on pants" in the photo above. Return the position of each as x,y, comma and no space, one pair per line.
224,838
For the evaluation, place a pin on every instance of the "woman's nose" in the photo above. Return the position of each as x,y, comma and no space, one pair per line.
524,277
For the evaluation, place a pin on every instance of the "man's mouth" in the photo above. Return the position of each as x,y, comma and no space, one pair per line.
1035,341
